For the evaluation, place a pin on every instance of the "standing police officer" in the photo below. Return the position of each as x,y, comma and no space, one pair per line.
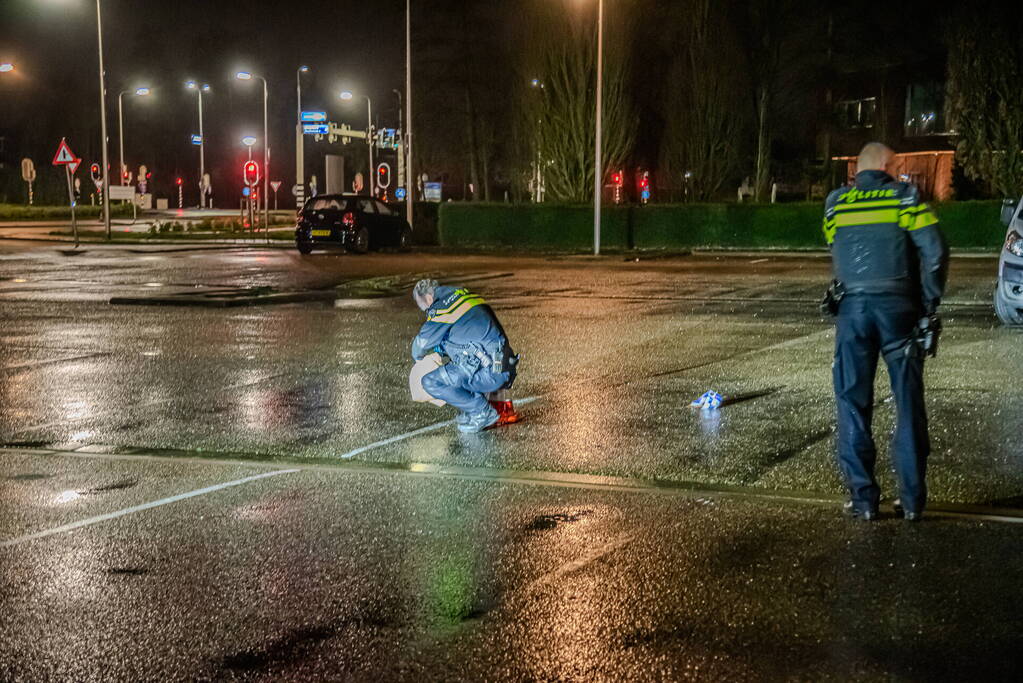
890,264
461,326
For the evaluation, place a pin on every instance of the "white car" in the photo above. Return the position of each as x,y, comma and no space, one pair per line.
1009,290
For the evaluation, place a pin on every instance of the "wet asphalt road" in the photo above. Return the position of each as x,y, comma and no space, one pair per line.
614,534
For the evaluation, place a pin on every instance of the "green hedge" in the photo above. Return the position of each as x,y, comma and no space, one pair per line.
23,212
679,226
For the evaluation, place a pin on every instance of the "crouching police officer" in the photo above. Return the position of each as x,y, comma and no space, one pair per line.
461,326
890,264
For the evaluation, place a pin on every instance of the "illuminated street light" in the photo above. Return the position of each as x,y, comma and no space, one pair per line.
193,85
346,95
139,92
249,141
6,67
248,76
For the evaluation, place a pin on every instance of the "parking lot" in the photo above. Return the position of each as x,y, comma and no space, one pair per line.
200,491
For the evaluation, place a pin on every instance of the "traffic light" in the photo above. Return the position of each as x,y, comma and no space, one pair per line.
94,170
178,182
250,173
616,178
384,176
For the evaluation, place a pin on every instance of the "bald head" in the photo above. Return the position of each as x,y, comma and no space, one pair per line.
874,157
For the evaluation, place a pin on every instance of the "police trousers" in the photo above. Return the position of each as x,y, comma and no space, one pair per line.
463,389
869,326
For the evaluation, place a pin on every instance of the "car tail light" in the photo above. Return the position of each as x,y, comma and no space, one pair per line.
348,219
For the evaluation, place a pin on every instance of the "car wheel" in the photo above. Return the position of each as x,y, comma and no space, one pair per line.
360,243
404,240
1008,314
304,247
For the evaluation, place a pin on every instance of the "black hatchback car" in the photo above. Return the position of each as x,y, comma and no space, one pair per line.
356,222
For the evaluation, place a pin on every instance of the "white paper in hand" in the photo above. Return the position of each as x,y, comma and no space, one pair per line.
415,379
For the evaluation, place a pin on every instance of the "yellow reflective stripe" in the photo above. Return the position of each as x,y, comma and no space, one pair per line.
829,230
916,217
466,304
462,294
916,209
867,205
923,220
851,218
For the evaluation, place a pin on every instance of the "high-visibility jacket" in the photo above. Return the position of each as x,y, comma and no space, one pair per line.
461,326
885,240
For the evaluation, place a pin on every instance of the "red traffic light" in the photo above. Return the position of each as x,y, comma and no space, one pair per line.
616,178
149,175
178,181
250,173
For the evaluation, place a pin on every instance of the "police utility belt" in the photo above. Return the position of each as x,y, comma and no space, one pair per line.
498,361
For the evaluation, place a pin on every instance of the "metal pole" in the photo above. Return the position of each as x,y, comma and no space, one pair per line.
299,147
120,133
266,162
407,135
103,123
71,201
369,141
598,168
202,154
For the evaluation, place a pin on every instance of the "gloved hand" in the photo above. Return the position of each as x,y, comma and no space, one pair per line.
832,297
928,329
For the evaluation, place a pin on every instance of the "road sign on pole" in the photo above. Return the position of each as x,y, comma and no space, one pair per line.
28,174
314,116
64,154
275,185
73,166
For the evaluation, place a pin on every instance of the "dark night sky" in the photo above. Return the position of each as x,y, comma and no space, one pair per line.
347,44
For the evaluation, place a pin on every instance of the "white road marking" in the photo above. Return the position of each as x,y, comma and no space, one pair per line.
581,562
760,260
139,508
416,432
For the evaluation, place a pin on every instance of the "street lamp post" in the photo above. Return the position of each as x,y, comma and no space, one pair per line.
299,142
192,85
246,76
598,166
407,134
402,178
346,95
120,123
103,119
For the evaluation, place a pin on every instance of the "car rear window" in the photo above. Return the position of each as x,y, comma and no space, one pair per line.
326,204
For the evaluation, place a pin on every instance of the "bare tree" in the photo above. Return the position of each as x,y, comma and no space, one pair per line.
561,113
985,89
705,113
779,39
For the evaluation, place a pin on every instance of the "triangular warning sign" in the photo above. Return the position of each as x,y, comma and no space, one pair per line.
73,166
64,154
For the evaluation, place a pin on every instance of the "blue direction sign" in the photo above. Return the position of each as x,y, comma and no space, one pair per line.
314,116
399,193
315,128
196,139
